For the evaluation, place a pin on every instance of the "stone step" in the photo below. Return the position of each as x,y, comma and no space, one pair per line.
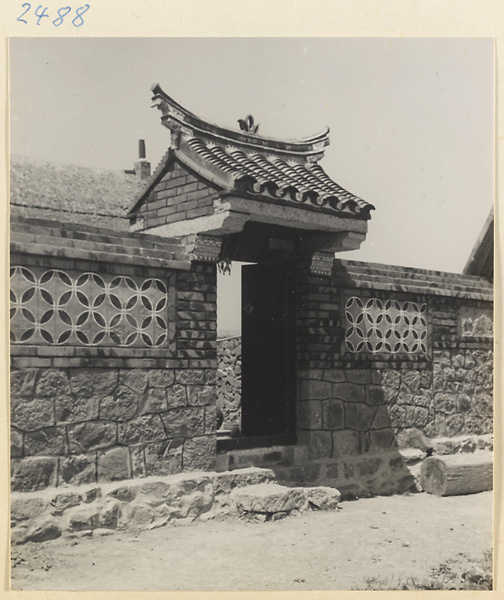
271,498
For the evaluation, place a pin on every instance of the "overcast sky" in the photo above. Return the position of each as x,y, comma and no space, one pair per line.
411,119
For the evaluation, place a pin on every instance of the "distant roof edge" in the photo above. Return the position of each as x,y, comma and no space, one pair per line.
175,117
481,260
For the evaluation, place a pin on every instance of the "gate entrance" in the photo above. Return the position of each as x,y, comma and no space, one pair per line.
267,351
267,399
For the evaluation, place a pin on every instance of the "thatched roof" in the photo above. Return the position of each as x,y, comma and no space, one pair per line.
70,193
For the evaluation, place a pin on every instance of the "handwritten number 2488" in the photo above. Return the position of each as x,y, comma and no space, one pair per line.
40,13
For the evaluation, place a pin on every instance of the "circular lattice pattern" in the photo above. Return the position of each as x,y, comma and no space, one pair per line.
386,326
57,307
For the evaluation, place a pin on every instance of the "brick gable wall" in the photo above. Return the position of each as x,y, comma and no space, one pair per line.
178,196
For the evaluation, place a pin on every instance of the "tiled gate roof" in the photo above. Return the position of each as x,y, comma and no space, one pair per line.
246,164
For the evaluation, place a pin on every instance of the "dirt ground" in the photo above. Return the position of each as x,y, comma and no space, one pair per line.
384,538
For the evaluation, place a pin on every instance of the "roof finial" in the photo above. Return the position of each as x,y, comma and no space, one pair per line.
247,124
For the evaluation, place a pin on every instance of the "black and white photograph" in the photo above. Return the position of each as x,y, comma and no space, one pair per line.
251,313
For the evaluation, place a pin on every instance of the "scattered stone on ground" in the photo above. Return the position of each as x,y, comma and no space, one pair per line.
405,537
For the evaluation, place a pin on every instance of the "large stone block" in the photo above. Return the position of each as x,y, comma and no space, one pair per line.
74,409
200,395
349,392
445,403
78,470
309,414
31,414
311,389
382,439
142,430
359,416
199,454
114,464
375,395
184,422
416,416
404,396
334,414
334,375
398,416
23,508
177,396
226,481
463,403
137,461
154,401
345,443
16,442
391,382
121,407
52,382
190,376
382,418
93,382
63,501
50,440
92,435
319,444
442,357
412,437
454,425
483,403
475,424
83,517
269,498
210,419
440,424
47,528
110,513
426,380
22,382
422,398
358,375
323,498
164,458
412,379
136,379
136,516
368,467
160,378
32,474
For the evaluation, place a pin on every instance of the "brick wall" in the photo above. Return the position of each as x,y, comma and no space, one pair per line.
107,411
178,196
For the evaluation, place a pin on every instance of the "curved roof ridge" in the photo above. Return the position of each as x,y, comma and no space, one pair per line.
176,117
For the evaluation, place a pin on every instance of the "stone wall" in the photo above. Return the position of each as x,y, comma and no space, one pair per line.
111,384
399,362
229,379
87,425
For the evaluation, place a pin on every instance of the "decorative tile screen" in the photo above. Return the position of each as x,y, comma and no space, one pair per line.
54,307
385,326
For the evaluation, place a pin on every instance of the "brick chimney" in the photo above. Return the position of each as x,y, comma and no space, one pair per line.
142,166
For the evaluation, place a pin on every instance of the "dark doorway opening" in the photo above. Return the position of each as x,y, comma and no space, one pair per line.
267,358
267,351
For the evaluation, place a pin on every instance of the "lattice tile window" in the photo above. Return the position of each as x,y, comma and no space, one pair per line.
55,307
385,326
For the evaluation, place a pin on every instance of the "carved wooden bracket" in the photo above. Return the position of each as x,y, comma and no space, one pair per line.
207,248
321,263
